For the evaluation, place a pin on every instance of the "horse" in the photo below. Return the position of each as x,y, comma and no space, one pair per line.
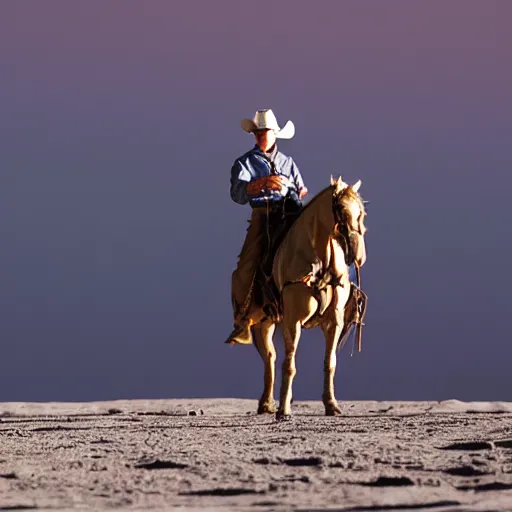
310,270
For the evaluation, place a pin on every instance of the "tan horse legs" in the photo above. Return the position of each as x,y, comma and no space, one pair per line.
332,333
332,328
299,307
263,339
291,335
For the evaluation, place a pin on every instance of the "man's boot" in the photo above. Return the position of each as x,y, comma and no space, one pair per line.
241,334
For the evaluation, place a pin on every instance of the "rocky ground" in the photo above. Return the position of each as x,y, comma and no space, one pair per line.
218,454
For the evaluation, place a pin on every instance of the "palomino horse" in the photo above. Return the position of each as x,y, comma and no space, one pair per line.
311,272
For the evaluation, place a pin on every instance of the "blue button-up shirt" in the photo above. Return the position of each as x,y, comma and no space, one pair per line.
254,164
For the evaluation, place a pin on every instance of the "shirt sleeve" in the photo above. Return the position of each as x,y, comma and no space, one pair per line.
240,177
297,177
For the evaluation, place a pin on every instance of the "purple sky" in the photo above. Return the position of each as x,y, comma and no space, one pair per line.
119,125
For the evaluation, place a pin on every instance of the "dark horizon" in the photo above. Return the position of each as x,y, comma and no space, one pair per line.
120,123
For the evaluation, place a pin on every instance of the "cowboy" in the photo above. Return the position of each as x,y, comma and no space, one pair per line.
265,178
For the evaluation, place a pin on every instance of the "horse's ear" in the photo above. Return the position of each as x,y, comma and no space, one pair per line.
340,184
356,185
333,181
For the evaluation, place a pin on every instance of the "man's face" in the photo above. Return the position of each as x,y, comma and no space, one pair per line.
265,138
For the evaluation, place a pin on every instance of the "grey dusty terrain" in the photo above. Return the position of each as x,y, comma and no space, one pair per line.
219,455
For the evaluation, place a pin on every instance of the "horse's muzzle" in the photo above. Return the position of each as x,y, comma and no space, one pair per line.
358,248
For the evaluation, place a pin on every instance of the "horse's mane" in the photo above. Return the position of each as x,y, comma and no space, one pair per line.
299,217
313,200
350,193
347,192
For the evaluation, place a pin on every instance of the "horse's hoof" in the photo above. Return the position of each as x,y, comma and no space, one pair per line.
267,408
281,416
332,410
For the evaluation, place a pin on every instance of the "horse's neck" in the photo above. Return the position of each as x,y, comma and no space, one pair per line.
316,225
328,251
321,215
308,243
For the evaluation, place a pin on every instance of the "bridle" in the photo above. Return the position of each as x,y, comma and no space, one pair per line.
342,232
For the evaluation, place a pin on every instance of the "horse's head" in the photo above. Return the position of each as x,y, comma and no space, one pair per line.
349,214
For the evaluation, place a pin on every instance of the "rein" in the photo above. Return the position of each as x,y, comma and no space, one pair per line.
361,309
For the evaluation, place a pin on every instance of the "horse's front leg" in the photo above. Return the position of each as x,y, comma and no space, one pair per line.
332,328
291,335
298,306
263,339
332,331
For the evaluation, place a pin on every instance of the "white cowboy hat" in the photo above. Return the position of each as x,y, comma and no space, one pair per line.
265,119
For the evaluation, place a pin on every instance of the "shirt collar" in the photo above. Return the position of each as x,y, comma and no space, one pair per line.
272,154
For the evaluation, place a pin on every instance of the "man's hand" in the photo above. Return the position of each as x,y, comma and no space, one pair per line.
254,187
267,183
302,192
277,183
